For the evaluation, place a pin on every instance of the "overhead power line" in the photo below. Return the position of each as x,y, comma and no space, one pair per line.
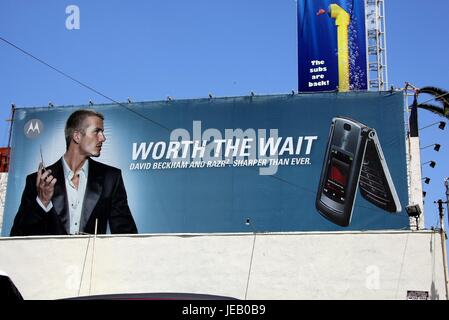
135,112
83,84
435,98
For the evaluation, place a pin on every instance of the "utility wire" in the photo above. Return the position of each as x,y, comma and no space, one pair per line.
402,266
250,265
434,98
101,94
84,265
82,84
131,110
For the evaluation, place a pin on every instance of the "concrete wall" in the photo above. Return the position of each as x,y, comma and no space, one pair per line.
3,183
348,265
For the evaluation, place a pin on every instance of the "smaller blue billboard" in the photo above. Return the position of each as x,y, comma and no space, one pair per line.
331,45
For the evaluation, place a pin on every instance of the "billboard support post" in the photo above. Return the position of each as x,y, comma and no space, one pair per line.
13,110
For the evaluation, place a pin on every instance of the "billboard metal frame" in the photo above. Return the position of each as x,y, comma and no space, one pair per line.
376,45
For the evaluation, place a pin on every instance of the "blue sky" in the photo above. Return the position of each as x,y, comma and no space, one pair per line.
186,49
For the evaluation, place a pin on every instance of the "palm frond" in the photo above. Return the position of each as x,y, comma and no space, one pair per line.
437,110
442,95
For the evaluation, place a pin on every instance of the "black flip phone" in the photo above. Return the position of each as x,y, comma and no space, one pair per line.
353,157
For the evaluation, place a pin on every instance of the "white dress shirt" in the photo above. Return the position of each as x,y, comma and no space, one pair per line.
75,197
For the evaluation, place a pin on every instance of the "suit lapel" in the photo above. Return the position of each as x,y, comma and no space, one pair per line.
59,200
94,188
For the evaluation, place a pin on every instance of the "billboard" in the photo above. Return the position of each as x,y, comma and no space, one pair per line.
332,51
321,162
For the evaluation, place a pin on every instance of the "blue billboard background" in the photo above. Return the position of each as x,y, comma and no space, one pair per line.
318,48
219,196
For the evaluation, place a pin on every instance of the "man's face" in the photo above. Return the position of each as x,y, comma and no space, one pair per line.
91,141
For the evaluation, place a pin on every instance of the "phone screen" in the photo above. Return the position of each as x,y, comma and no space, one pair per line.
337,176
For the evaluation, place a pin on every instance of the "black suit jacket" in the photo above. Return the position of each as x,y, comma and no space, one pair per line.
105,199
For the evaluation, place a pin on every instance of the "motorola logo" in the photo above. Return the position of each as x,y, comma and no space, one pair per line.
33,128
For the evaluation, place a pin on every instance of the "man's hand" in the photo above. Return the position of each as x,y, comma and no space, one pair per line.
45,185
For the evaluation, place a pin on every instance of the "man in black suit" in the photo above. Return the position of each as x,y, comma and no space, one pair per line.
76,193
